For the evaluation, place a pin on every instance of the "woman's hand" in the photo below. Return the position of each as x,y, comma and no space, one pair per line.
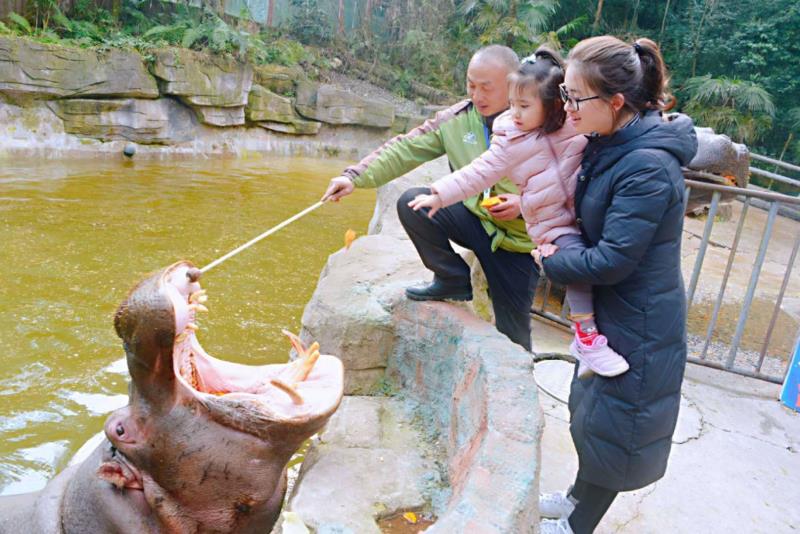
341,186
432,201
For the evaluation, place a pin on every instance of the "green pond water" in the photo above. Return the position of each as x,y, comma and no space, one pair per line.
76,236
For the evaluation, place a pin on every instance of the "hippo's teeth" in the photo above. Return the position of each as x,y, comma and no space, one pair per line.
286,388
193,327
198,308
296,342
306,365
197,295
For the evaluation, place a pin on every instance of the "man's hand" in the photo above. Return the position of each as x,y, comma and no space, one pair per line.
433,201
507,210
340,187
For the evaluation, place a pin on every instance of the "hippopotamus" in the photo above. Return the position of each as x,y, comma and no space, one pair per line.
202,445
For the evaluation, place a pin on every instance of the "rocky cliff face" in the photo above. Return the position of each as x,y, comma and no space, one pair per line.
53,97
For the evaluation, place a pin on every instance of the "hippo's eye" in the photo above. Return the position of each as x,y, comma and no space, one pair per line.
120,430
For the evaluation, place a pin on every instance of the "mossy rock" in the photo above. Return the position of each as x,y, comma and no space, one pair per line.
277,78
264,105
202,79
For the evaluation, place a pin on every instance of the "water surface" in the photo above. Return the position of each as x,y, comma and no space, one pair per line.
77,235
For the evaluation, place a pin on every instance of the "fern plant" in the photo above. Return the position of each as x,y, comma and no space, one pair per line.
20,23
741,109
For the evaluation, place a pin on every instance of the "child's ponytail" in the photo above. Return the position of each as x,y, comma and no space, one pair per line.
541,73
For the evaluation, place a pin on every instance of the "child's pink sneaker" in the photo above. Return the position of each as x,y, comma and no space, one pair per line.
597,357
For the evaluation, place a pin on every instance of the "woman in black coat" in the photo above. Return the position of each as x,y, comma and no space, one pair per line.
629,206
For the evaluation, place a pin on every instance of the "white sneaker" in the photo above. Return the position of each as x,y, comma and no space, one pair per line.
555,505
555,526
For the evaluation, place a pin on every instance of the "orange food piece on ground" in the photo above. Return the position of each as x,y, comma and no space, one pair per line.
411,517
349,237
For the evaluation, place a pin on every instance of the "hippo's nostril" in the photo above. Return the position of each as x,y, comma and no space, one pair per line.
193,274
242,508
120,430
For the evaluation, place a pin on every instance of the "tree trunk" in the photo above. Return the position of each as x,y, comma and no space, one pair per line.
270,12
710,4
780,158
367,18
598,14
341,17
635,18
663,23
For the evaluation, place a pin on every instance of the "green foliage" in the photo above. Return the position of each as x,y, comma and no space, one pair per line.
20,23
746,50
280,51
515,23
309,22
4,29
739,108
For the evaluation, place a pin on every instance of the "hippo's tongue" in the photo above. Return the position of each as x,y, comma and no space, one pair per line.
308,388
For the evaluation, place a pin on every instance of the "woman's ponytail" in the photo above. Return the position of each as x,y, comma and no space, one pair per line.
655,80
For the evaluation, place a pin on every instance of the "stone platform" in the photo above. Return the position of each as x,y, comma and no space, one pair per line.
735,455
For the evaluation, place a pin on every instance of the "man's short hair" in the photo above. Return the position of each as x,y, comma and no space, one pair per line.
499,54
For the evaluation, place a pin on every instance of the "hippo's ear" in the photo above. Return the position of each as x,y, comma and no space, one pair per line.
119,475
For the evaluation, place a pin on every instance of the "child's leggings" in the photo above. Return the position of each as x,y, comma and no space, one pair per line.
579,296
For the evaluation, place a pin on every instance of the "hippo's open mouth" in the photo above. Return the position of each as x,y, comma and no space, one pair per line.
306,388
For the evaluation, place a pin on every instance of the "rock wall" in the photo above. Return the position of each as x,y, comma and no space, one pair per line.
467,388
63,101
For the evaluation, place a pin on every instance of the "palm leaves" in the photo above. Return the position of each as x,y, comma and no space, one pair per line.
739,108
508,21
794,119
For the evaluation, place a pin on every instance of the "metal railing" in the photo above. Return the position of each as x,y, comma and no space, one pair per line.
556,309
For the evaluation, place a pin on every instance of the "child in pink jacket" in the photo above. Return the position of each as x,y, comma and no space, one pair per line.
533,147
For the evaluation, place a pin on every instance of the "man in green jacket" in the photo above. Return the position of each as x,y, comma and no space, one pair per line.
497,235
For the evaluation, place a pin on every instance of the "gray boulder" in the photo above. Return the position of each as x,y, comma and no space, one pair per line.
162,121
31,69
296,127
330,104
220,116
717,154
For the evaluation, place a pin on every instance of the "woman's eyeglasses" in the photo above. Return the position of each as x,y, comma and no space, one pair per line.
574,102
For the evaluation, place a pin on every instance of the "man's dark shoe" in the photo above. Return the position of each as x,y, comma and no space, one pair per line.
437,290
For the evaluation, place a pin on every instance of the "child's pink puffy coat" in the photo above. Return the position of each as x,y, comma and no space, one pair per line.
544,167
